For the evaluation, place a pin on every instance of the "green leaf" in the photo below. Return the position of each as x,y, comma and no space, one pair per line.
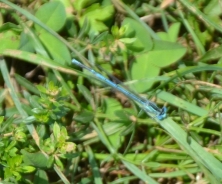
127,40
80,4
41,177
59,163
68,5
86,93
1,119
172,34
212,10
20,136
141,70
52,14
84,117
172,52
115,31
135,29
9,26
116,139
11,145
17,160
71,27
50,161
213,54
26,169
56,48
148,65
112,106
56,131
42,89
174,31
10,40
26,83
99,37
96,15
27,43
35,159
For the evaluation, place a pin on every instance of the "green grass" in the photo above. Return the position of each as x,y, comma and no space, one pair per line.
60,125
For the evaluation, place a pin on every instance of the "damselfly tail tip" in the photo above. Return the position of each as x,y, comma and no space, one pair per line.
162,114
